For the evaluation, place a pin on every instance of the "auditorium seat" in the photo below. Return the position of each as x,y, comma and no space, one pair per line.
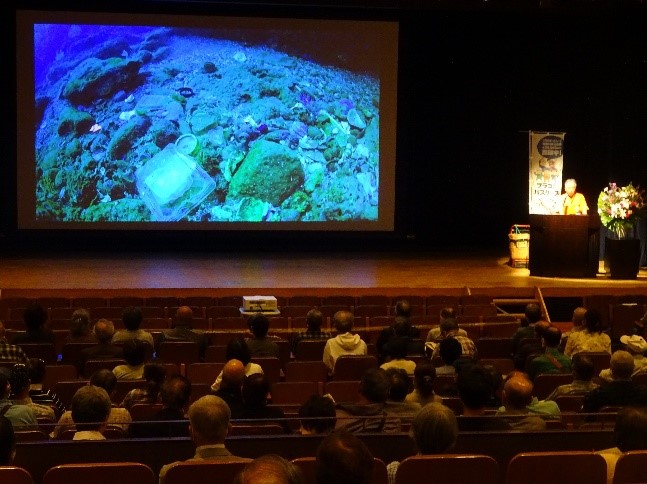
179,352
71,353
329,310
463,468
374,300
493,347
54,302
65,390
295,311
198,301
294,392
161,301
503,365
204,372
309,350
14,475
343,391
223,312
28,436
545,383
204,471
631,467
91,366
89,302
369,311
309,300
236,301
126,301
100,473
215,354
308,466
350,367
339,300
601,360
144,411
42,351
564,467
56,373
314,371
272,367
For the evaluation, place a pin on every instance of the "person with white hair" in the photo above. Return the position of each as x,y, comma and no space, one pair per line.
636,346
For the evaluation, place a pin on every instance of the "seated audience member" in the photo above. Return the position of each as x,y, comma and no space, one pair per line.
434,431
528,347
592,338
636,346
19,415
423,385
630,433
182,330
103,330
342,458
368,413
154,374
401,328
552,360
449,351
256,390
449,329
620,391
398,390
532,314
117,417
345,343
517,402
396,355
237,349
583,369
35,318
261,345
7,442
270,469
496,378
231,386
317,415
475,390
80,328
135,352
578,324
12,352
209,418
434,333
19,380
314,322
170,420
90,409
37,393
132,317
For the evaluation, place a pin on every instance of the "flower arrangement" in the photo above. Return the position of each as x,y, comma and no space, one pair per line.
619,208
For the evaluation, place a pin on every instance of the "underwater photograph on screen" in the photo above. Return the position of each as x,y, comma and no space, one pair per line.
165,124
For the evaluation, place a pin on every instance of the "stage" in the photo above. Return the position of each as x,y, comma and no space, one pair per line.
221,274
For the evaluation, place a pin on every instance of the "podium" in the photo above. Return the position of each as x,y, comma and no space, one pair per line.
564,245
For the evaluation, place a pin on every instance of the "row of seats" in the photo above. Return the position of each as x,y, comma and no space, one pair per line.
529,468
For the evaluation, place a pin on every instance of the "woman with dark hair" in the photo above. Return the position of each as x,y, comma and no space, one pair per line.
80,328
135,355
237,349
36,331
154,374
591,339
423,385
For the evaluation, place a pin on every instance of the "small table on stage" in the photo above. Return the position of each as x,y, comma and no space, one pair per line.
564,245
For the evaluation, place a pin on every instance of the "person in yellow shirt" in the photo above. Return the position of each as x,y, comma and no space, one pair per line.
573,203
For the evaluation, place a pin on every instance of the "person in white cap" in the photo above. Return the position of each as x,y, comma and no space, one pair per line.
637,347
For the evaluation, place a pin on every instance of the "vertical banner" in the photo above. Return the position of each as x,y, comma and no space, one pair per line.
546,153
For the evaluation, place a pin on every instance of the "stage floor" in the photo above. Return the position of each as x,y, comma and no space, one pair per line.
286,274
